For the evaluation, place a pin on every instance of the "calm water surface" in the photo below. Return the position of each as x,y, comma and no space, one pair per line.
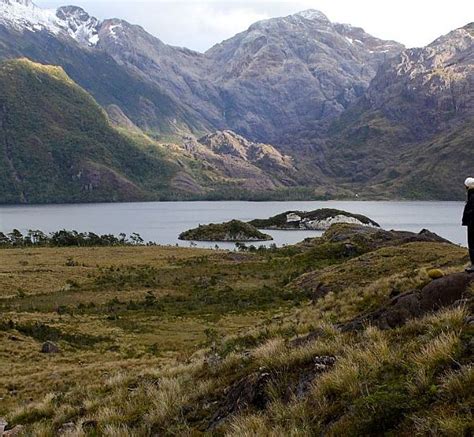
162,222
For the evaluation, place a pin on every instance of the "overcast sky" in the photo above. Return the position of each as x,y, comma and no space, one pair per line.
199,25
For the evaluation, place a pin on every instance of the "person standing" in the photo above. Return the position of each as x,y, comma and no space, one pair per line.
468,220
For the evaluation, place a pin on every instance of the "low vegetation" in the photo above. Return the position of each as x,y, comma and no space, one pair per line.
235,230
172,341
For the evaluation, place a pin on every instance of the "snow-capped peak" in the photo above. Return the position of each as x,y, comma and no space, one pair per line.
312,14
24,15
21,2
79,24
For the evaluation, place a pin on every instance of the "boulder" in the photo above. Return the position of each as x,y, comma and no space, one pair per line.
66,428
49,348
244,393
440,293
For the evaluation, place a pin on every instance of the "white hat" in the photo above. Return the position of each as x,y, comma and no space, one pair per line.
469,183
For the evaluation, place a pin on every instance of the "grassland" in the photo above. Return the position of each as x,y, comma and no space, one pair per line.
174,341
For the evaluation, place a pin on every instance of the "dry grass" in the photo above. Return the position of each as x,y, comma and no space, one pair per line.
152,345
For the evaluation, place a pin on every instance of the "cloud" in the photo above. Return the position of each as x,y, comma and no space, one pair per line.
199,26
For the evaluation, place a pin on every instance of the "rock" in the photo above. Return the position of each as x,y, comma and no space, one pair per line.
14,432
49,348
246,392
307,376
319,292
89,425
66,428
3,425
319,220
373,238
440,293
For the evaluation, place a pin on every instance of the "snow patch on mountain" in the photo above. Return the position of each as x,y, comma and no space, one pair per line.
79,24
312,14
24,15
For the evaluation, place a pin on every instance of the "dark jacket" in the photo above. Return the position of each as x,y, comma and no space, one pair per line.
468,215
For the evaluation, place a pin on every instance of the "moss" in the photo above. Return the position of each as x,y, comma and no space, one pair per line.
435,273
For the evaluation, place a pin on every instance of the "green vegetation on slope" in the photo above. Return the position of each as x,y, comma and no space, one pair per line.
171,341
56,144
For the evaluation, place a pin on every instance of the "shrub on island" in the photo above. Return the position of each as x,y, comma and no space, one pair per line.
235,230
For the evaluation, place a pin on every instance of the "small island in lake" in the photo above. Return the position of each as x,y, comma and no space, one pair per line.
235,230
317,220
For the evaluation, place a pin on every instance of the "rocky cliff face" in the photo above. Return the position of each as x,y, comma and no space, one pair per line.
427,88
256,166
287,74
411,132
276,78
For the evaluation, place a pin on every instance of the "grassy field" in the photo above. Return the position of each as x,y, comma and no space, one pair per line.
157,341
122,307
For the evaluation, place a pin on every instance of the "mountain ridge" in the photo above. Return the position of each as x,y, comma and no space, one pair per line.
198,86
351,112
58,145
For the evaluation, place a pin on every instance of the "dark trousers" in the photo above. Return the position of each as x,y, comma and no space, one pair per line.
470,241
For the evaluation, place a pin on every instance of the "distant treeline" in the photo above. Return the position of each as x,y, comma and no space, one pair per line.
66,238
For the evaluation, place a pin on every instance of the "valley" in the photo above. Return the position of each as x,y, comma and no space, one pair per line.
295,107
262,239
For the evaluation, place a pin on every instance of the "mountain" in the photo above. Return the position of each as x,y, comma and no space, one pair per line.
293,106
257,166
410,134
68,37
286,74
278,77
56,144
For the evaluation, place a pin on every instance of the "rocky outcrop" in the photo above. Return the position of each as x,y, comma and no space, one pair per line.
235,230
251,391
373,238
416,114
440,293
256,166
320,220
245,393
287,74
351,241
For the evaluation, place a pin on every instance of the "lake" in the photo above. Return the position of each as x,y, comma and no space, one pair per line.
162,222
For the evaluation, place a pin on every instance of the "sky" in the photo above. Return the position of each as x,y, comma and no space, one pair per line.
199,25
